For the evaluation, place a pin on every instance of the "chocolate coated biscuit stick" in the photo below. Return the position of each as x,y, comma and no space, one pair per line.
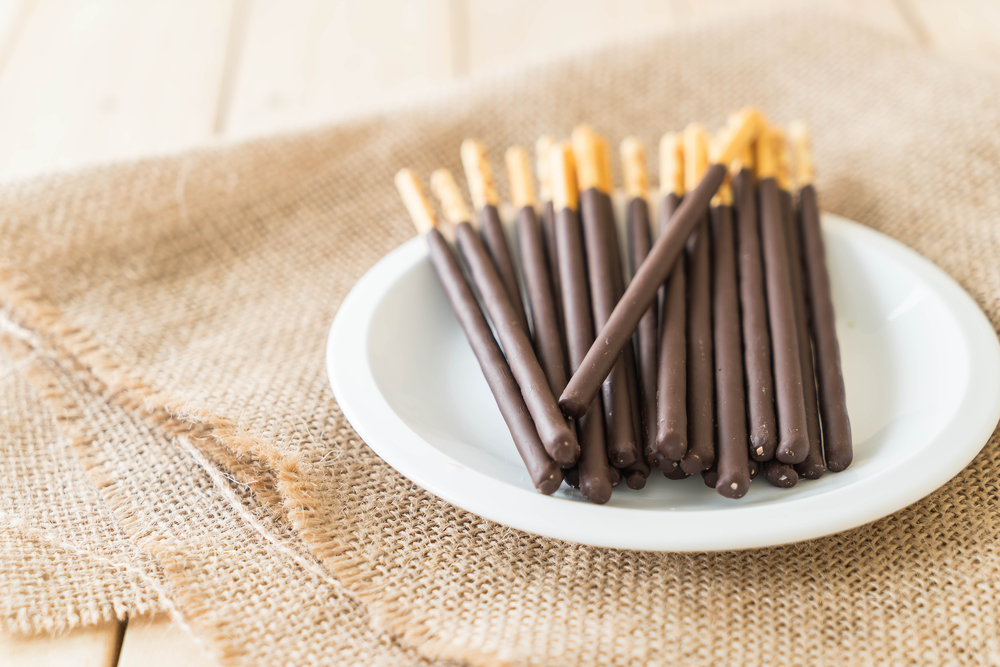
637,190
812,466
545,474
543,148
537,280
756,337
485,200
585,383
837,438
700,368
603,278
781,475
732,460
641,466
677,473
793,442
556,435
595,472
671,377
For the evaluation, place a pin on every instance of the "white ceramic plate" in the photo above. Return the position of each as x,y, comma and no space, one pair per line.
921,364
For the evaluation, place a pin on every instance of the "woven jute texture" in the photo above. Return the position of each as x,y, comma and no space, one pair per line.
197,291
212,550
55,529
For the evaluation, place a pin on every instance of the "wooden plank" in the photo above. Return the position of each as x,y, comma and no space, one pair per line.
881,14
13,15
155,641
503,34
97,80
968,30
306,62
85,647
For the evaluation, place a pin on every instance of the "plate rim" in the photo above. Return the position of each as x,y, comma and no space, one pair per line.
640,529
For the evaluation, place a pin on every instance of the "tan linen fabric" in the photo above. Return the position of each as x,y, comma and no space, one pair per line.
202,287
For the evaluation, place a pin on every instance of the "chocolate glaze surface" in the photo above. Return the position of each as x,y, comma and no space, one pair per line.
812,467
837,439
671,374
604,273
496,244
700,369
731,414
549,225
793,442
756,337
594,469
556,435
586,381
640,240
541,298
781,475
544,473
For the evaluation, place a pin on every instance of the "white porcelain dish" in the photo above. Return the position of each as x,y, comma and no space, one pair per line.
921,364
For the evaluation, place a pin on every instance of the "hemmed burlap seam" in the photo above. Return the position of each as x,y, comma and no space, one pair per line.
30,312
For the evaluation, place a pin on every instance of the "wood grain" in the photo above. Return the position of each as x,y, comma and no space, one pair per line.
306,62
503,33
155,641
110,79
86,647
968,30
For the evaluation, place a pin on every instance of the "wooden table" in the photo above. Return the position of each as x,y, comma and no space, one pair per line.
90,81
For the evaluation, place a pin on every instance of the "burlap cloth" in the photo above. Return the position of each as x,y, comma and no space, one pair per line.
179,311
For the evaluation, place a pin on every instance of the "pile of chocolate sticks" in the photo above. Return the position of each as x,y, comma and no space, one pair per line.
718,357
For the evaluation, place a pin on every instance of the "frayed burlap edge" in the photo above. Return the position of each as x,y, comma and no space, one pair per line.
273,475
27,307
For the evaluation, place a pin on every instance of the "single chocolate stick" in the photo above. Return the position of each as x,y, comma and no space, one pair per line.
793,441
595,472
753,305
545,474
711,476
837,439
603,277
585,383
534,264
812,467
556,435
633,156
700,368
733,466
543,148
671,377
781,475
485,200
677,473
618,271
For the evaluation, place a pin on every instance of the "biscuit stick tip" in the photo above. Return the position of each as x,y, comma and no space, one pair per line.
479,174
672,164
798,134
522,191
633,155
416,202
446,190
